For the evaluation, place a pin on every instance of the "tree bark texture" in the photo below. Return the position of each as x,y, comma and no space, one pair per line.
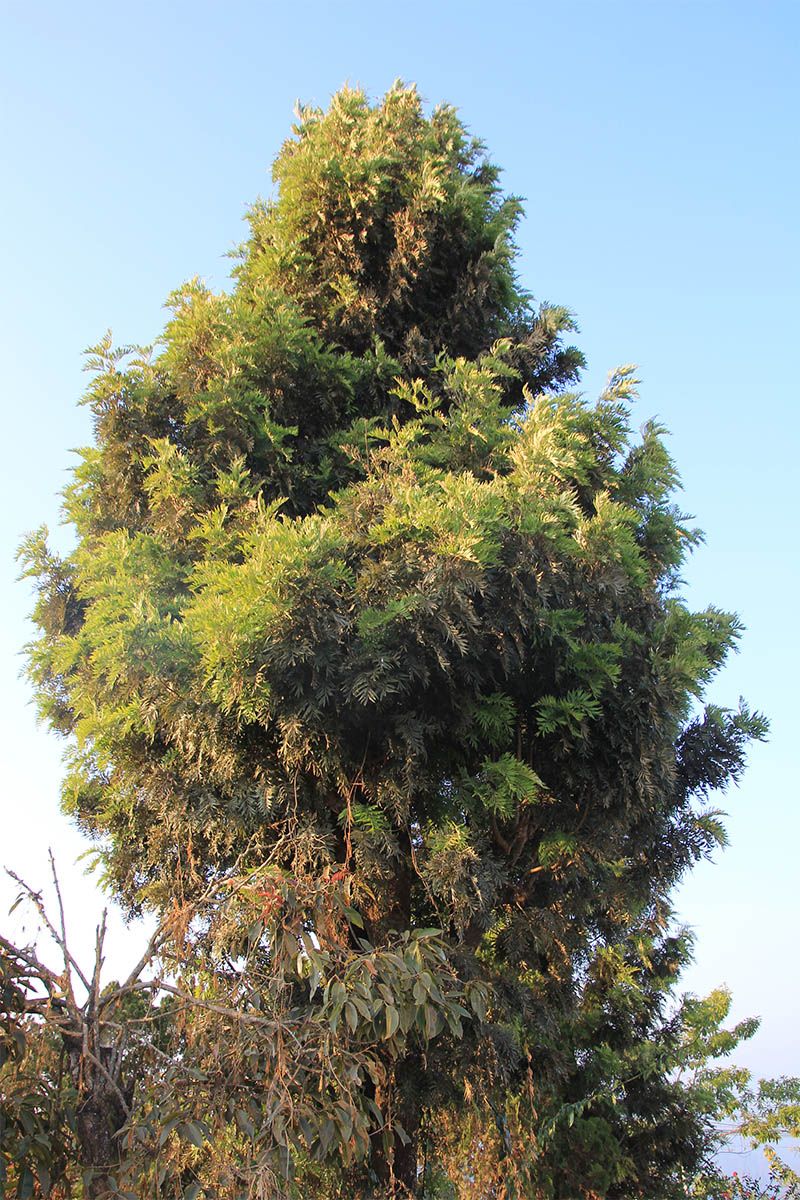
99,1117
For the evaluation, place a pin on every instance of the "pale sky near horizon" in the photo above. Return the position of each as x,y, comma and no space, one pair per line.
655,145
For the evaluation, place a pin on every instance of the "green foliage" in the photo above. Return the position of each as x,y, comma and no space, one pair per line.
35,1110
362,592
764,1113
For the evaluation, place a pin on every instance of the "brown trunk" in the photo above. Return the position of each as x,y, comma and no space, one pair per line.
96,1148
392,1175
385,1177
99,1116
394,1172
390,907
405,1155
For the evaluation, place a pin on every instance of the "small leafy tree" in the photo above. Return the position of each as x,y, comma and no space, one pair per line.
761,1113
101,1086
368,610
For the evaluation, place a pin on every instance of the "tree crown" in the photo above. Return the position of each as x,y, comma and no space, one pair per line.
365,598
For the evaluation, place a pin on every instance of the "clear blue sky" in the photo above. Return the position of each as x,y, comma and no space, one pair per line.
655,143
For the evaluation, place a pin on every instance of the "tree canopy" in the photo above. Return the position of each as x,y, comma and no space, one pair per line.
373,664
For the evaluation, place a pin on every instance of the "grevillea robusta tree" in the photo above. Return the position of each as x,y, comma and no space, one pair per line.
372,632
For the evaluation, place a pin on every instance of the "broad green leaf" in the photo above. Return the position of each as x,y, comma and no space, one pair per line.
392,1020
244,1123
190,1132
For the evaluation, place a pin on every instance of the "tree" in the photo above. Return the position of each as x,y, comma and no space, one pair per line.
762,1113
374,624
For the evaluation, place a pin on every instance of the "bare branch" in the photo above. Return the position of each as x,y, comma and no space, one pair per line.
133,983
92,1058
52,981
60,901
499,840
60,940
100,937
236,1014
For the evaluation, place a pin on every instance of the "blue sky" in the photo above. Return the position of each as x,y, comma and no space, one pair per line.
655,144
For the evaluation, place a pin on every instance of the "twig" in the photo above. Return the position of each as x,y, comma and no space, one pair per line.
60,905
69,961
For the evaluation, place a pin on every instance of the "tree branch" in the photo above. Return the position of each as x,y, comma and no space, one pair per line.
61,942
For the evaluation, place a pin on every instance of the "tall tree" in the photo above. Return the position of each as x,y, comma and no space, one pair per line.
371,618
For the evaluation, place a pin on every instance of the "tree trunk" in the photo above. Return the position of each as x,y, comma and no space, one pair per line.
405,1155
99,1116
396,1171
